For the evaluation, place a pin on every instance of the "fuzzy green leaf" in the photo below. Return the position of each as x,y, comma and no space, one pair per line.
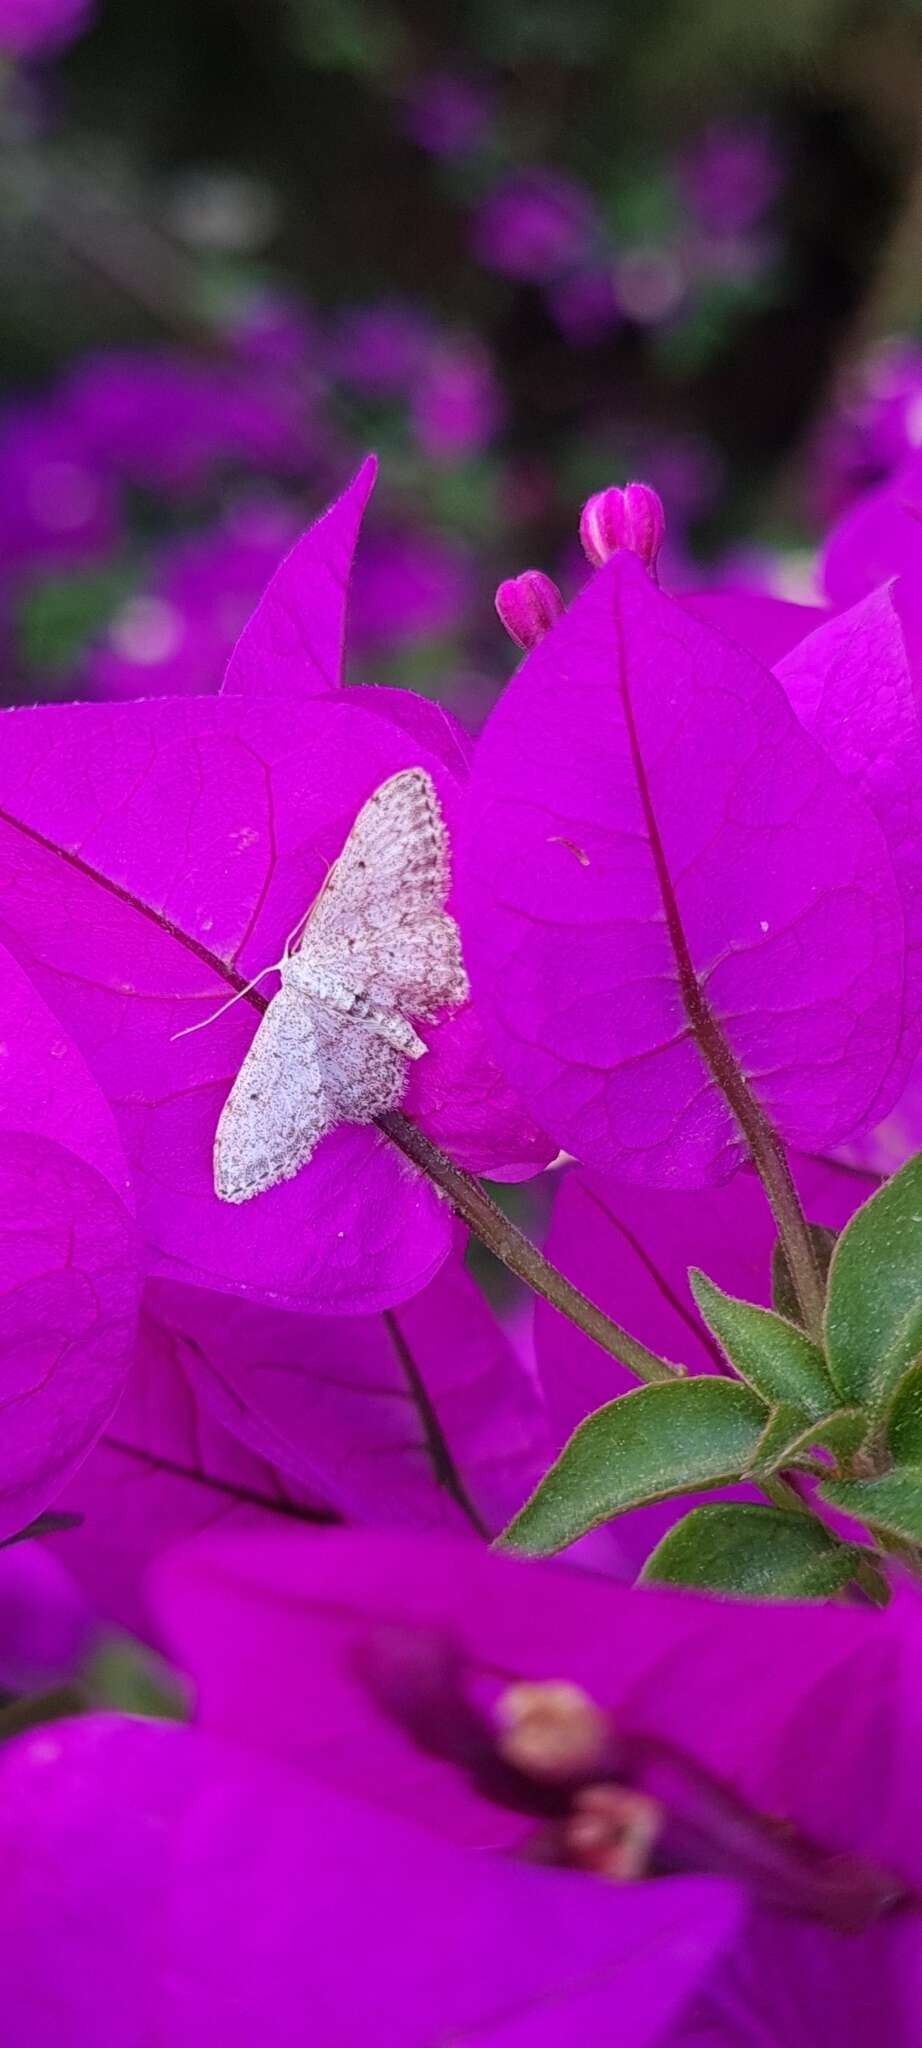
891,1504
760,1553
773,1355
786,1425
647,1446
904,1422
874,1303
842,1433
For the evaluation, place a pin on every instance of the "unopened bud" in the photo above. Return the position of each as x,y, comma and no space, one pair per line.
528,606
632,519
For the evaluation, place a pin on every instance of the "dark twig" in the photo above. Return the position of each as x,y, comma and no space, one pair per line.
515,1251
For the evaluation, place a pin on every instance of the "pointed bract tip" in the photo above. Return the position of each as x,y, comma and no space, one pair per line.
631,519
528,606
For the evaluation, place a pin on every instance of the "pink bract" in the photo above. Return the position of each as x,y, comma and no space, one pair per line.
69,1256
645,812
293,644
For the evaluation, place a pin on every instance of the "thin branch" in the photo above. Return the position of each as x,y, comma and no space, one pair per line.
514,1250
123,250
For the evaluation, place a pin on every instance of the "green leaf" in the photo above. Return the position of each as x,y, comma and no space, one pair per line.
646,1446
772,1354
757,1552
789,1435
785,1426
904,1422
874,1303
891,1504
123,1676
842,1433
784,1293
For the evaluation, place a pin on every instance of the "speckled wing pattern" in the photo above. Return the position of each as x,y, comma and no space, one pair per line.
377,948
379,922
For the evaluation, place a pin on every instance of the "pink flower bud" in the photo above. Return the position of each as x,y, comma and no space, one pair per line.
528,606
631,519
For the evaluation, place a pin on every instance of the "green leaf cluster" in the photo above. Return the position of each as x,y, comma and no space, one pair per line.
844,1414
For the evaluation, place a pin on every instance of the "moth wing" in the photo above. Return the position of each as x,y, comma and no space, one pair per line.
362,1074
379,924
306,1071
277,1110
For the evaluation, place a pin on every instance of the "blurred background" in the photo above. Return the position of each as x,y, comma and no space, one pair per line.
521,250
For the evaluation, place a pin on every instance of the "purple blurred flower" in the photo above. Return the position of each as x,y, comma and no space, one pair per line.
585,306
876,427
165,421
195,1893
536,225
650,283
276,332
408,1656
373,1772
448,115
731,175
381,349
58,503
37,28
455,407
408,586
175,638
686,471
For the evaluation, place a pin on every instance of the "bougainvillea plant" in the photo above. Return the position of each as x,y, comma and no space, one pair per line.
688,892
682,864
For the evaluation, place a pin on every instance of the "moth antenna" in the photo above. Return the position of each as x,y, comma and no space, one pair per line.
296,931
274,967
231,1000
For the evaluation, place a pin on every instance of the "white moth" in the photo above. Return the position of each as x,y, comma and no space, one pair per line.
377,947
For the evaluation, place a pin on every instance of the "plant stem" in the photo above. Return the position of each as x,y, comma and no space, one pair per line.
514,1250
770,1162
765,1150
782,1494
871,1580
768,1157
124,251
